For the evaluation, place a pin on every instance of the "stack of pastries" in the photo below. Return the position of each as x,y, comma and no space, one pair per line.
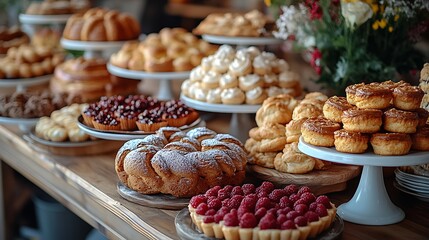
99,24
11,37
62,125
172,49
89,79
181,164
386,116
28,61
274,143
245,76
424,85
47,37
250,24
56,7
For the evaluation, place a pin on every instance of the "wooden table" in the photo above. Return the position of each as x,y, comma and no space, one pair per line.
87,186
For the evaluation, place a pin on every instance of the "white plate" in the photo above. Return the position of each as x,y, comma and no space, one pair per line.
128,135
133,74
423,197
66,144
368,158
241,41
413,187
409,181
414,177
91,45
15,82
24,124
43,19
221,108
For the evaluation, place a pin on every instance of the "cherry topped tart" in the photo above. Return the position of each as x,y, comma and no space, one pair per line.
263,212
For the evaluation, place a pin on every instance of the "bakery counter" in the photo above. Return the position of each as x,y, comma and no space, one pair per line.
87,186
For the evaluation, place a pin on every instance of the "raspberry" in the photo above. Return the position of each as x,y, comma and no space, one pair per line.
293,197
210,212
213,191
262,193
301,208
303,189
260,213
208,219
281,219
292,215
248,188
263,202
248,220
267,186
241,211
237,191
301,221
218,217
225,202
312,206
268,222
249,201
289,224
324,200
196,200
277,194
228,188
272,211
291,189
312,216
308,197
222,194
283,210
214,204
235,202
285,202
231,219
321,210
202,209
300,201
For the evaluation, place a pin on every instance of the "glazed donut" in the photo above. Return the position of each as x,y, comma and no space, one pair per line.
334,108
391,143
233,96
319,131
400,121
407,97
362,120
350,142
373,97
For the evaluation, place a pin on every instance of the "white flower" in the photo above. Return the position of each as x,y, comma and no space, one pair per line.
355,13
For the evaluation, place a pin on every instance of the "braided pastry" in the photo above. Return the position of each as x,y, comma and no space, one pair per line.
171,162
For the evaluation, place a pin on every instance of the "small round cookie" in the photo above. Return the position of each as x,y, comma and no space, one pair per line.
400,121
362,120
350,142
293,130
421,139
351,92
407,97
256,96
210,80
232,96
214,96
228,81
391,144
334,108
319,131
250,81
288,79
306,111
291,160
423,116
373,97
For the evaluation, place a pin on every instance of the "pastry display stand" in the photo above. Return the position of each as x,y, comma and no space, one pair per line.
32,20
91,49
165,78
370,205
241,42
24,124
22,83
242,119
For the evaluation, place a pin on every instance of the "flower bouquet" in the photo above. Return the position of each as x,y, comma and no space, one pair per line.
353,41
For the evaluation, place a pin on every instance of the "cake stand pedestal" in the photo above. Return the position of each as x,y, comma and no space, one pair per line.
242,42
370,205
242,119
164,78
21,84
92,49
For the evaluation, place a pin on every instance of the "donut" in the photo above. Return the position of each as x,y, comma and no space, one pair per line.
334,108
319,131
362,120
350,142
391,143
400,121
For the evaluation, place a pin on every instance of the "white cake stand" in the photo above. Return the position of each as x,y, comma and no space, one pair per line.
22,83
43,19
241,120
92,48
370,204
241,42
24,124
165,78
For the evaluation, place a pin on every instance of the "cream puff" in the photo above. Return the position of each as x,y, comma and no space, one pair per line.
319,131
233,96
400,121
256,96
362,120
391,144
351,92
228,81
373,97
250,81
334,108
420,139
407,97
350,142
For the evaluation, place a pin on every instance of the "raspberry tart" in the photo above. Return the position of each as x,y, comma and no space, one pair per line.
263,212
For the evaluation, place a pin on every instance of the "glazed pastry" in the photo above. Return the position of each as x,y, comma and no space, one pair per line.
362,120
407,97
334,108
250,81
423,116
233,96
373,97
400,121
319,131
255,96
391,143
421,139
351,92
350,142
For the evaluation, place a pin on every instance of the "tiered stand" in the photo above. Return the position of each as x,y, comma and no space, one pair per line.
165,78
370,204
91,49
